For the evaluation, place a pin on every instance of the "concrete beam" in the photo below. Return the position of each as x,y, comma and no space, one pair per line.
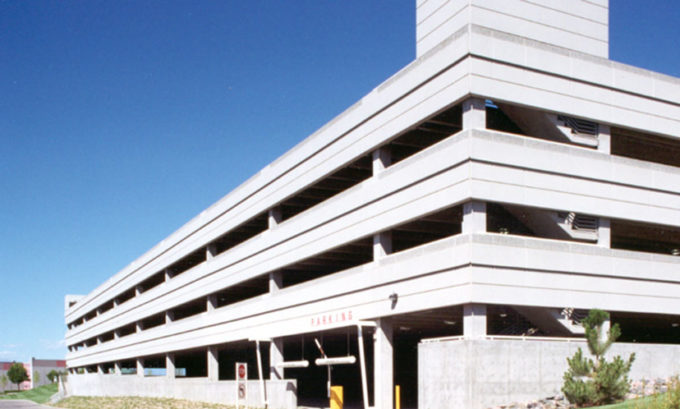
383,364
275,281
474,321
213,364
211,302
382,159
604,139
274,217
276,357
474,217
140,367
210,251
474,113
382,245
604,232
170,365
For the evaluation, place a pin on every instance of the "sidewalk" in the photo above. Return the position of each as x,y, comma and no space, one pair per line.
20,404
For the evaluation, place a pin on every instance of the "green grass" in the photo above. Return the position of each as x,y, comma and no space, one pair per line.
640,403
41,394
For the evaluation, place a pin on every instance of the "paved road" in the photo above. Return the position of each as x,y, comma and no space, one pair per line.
19,404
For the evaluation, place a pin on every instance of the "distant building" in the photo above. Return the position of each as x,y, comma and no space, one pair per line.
40,366
446,234
26,385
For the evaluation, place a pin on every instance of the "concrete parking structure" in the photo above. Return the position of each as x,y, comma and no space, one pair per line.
446,234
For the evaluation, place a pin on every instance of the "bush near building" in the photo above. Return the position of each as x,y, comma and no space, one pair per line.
590,382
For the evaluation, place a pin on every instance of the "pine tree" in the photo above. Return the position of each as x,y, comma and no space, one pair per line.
590,382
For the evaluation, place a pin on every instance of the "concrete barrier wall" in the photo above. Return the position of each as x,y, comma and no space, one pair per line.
478,374
280,394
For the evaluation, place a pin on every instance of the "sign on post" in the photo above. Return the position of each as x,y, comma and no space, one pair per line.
241,384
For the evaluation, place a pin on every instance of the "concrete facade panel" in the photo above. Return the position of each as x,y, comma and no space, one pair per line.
281,394
492,364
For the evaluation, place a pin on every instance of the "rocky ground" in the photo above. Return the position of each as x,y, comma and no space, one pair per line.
638,389
133,403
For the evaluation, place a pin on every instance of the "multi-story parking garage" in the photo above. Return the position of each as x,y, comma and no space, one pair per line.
444,234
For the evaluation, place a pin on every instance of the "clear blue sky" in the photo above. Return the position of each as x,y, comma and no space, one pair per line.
120,121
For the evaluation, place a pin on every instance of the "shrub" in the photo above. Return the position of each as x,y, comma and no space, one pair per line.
53,375
590,382
17,374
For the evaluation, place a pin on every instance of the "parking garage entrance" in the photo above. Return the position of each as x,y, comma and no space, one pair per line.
303,357
338,345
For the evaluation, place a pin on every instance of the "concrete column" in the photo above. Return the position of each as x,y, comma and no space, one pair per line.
210,251
604,233
213,364
116,333
275,357
474,217
138,290
474,113
167,275
169,316
384,364
140,367
474,321
275,281
274,217
604,141
382,158
100,369
170,366
382,245
139,327
211,302
115,302
116,368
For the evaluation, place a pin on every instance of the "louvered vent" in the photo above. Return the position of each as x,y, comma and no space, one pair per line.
580,126
582,222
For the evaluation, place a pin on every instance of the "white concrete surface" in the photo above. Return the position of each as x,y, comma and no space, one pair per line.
482,373
578,24
281,394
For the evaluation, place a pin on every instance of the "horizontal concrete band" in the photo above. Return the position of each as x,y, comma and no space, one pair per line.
404,100
480,268
617,188
576,25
